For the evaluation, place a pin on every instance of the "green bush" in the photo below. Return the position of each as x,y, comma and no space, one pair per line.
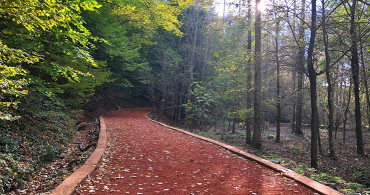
363,177
12,173
329,178
354,185
7,144
49,152
206,134
299,171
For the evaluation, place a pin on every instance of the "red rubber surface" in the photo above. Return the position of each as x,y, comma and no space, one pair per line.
143,157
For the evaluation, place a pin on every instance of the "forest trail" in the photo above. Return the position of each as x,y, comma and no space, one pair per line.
143,157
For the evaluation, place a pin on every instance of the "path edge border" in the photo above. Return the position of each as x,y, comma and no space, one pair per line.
314,185
69,185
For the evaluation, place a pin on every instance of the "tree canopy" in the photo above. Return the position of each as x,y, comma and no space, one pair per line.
231,69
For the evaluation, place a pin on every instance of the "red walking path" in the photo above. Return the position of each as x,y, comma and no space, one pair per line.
145,157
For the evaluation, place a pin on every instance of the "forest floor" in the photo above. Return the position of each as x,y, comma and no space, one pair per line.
48,176
349,172
143,157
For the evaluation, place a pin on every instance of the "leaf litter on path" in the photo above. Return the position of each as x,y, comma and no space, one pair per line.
169,162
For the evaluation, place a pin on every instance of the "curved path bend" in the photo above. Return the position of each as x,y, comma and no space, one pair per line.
143,157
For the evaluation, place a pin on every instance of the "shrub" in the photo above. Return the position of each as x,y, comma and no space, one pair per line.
12,172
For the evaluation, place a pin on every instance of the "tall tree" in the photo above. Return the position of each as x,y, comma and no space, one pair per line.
355,68
194,41
330,88
256,142
249,75
294,71
313,91
365,82
300,68
277,61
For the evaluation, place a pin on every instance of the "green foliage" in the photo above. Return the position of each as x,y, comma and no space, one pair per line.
328,178
128,28
206,134
148,16
48,152
299,171
49,53
12,173
353,188
12,79
231,137
120,57
198,110
8,144
53,55
34,139
354,185
363,176
229,61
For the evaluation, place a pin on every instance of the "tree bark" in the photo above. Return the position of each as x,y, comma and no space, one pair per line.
328,80
256,142
249,121
313,84
346,112
278,117
301,61
294,77
355,75
365,83
233,126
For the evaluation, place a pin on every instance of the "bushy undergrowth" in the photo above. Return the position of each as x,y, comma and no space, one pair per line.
36,138
13,172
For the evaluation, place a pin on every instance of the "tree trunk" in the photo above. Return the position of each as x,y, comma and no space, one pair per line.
298,128
278,117
216,118
328,80
256,142
365,83
346,112
312,77
301,61
228,124
294,73
192,57
294,77
356,82
319,139
249,121
233,126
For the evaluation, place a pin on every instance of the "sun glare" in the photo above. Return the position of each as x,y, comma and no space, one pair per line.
261,6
